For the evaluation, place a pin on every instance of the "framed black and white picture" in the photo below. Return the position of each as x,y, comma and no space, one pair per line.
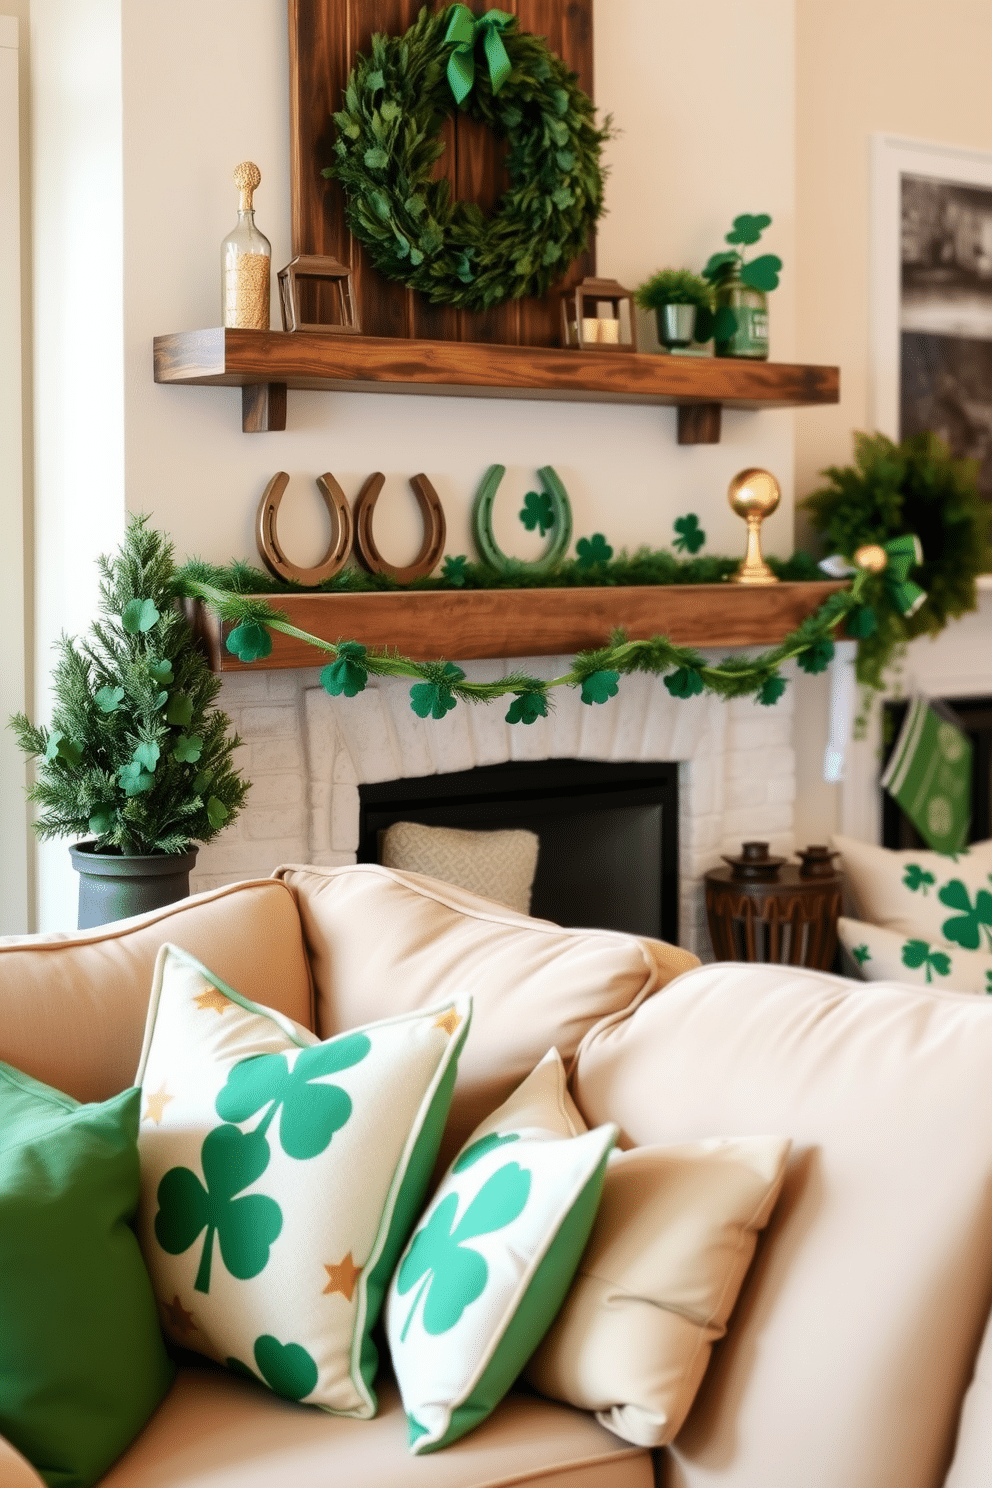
931,295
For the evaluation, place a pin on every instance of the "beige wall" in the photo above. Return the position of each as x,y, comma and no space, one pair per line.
907,67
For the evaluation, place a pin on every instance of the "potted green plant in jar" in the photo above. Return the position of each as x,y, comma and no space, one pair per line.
136,755
739,322
676,296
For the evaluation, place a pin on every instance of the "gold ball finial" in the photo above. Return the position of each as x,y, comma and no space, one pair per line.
754,494
247,177
872,557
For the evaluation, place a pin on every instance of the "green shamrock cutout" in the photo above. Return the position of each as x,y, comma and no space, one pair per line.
966,930
102,820
691,536
349,673
59,747
916,877
310,1114
916,953
187,750
147,755
538,512
527,707
454,570
286,1368
180,710
435,699
453,1275
139,616
217,812
599,687
478,1149
109,699
161,671
135,779
816,658
684,682
748,227
231,1160
771,690
249,641
861,954
593,550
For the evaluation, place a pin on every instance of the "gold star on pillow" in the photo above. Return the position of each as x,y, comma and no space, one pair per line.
449,1021
178,1317
212,998
342,1278
157,1102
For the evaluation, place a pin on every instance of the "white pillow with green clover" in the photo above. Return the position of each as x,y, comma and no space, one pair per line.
924,895
281,1177
883,955
492,1257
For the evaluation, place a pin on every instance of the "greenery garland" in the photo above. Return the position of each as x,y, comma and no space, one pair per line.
395,103
919,487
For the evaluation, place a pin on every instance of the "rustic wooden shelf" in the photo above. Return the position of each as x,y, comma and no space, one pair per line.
426,624
265,363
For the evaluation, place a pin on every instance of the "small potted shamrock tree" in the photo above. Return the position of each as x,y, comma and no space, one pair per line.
676,296
135,754
739,321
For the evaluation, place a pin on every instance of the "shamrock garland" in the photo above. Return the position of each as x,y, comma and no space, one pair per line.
394,106
440,685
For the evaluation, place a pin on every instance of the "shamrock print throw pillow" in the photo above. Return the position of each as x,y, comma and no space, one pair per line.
892,956
281,1176
941,897
492,1257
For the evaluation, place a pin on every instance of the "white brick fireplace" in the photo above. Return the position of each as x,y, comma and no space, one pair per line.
306,753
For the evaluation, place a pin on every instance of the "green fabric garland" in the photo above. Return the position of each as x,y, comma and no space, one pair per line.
395,103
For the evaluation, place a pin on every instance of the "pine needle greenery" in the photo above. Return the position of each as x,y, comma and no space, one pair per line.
136,754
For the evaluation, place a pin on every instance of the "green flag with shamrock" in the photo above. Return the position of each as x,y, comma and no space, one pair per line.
929,774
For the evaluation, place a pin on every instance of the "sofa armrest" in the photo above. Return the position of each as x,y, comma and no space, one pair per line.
15,1470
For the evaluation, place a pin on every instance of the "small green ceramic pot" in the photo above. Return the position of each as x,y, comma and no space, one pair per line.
113,886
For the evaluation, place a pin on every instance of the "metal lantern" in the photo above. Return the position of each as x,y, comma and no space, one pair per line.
598,315
317,266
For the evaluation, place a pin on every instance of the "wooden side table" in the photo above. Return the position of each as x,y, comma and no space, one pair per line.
764,909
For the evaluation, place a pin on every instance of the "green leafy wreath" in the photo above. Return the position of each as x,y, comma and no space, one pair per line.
395,103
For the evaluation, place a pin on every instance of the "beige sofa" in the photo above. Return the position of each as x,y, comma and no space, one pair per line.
852,1349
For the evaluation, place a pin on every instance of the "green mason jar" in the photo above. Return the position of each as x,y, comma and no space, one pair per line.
750,306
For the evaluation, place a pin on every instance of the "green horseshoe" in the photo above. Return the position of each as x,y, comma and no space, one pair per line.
482,524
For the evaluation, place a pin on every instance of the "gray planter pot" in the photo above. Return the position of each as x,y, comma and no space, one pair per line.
676,325
114,887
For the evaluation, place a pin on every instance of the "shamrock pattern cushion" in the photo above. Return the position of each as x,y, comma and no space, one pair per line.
931,896
82,1360
492,1257
281,1177
883,955
674,1237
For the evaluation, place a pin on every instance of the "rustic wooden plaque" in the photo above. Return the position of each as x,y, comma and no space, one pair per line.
324,37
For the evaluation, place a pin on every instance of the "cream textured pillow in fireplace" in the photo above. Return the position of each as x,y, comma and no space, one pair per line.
496,865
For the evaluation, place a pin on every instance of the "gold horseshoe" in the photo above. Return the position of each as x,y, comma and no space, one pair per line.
342,531
434,530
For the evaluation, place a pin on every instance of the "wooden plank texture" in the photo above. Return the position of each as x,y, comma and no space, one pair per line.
324,38
234,358
528,622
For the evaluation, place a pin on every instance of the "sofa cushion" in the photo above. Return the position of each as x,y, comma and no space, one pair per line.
281,1177
673,1239
216,1431
933,896
381,942
88,1043
492,1257
883,955
858,1324
82,1360
973,1452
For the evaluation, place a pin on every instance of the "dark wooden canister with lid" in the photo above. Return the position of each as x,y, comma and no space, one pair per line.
763,908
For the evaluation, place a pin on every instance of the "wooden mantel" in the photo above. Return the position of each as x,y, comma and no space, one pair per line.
427,624
265,363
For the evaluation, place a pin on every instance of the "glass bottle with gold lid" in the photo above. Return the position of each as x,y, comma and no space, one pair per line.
245,261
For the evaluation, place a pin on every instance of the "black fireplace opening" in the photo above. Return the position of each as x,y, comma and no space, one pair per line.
974,716
608,855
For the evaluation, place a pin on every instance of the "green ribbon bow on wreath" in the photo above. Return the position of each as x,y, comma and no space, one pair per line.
893,560
464,31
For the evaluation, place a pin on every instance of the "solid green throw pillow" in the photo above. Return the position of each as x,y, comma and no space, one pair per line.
82,1359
